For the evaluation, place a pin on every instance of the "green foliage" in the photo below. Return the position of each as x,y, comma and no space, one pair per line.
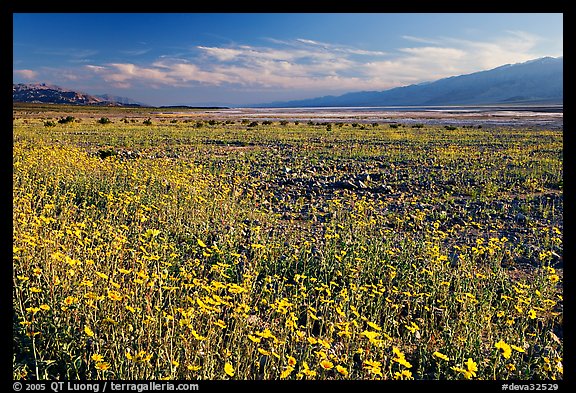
66,120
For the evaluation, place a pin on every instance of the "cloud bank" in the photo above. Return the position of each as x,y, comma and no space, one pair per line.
310,66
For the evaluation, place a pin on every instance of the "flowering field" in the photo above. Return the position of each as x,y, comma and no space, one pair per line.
190,248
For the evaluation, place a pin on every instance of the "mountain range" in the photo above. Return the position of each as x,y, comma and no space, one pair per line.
536,81
43,93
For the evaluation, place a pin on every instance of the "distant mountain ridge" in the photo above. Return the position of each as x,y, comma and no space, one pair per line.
51,94
534,81
120,100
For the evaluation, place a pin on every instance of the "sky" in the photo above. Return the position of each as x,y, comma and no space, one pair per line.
242,59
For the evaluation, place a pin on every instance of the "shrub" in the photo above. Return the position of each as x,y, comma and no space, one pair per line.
67,119
49,124
106,153
104,120
147,122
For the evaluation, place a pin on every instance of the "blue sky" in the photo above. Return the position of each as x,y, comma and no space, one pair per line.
241,59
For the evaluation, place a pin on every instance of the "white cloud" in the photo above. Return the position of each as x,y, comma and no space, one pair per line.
420,39
135,52
340,48
222,54
26,74
307,64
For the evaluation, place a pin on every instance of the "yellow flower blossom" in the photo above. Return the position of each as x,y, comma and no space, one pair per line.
504,348
229,369
412,327
70,300
440,356
471,367
554,278
254,338
102,366
220,323
400,358
405,374
287,371
342,370
97,358
519,349
307,371
373,325
115,295
88,331
327,364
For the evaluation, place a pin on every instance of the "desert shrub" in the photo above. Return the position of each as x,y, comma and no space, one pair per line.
67,119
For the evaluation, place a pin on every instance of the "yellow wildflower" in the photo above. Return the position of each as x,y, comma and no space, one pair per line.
519,349
254,338
505,349
97,358
102,366
471,367
440,356
405,374
342,370
286,372
228,369
88,331
327,364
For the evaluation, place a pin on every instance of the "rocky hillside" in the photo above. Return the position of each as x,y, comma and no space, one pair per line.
42,93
